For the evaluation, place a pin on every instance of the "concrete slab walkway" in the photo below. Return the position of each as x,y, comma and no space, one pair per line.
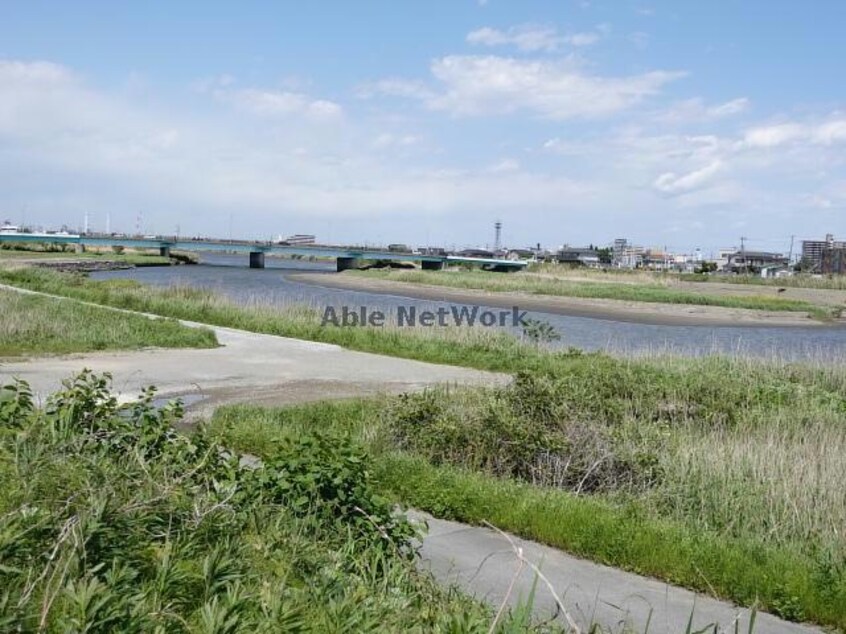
483,563
248,367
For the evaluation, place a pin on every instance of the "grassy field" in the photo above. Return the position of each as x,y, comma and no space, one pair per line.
11,252
41,325
135,259
484,348
825,282
627,290
112,522
661,278
723,476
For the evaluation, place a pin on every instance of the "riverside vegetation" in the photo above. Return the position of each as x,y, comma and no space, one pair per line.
110,521
11,251
723,475
631,288
34,324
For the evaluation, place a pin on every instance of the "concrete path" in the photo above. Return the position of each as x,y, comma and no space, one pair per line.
264,369
248,367
483,563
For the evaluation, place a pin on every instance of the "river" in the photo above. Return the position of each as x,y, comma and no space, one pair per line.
230,276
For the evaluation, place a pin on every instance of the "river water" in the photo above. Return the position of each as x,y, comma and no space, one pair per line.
230,276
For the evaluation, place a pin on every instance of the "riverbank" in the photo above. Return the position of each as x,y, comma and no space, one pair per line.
652,313
443,449
91,261
37,325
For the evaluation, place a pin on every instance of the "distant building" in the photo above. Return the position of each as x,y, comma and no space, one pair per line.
521,254
813,250
620,246
723,257
6,228
656,259
475,253
300,239
578,256
755,261
833,261
632,257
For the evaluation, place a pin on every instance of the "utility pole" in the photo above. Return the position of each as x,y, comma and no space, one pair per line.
743,255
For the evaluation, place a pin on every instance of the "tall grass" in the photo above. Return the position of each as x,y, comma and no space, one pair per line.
38,325
12,252
112,522
484,348
536,284
721,475
823,282
732,467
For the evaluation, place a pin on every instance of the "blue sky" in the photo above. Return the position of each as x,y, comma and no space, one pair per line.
678,124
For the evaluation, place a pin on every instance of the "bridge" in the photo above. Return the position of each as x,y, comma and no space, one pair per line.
346,257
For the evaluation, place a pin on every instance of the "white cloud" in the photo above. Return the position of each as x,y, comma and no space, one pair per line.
729,108
530,37
34,73
274,104
388,140
696,110
831,132
73,140
828,132
672,184
395,87
476,85
582,39
774,135
505,165
68,146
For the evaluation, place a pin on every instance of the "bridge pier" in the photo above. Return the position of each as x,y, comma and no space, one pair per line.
347,263
164,252
432,265
256,259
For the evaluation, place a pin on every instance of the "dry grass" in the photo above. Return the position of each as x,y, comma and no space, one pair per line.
37,325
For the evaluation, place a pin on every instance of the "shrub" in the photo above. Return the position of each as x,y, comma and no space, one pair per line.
112,521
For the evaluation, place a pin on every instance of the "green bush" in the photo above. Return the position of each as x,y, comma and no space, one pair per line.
538,429
111,521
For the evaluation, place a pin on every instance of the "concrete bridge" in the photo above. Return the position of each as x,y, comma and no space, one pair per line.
346,257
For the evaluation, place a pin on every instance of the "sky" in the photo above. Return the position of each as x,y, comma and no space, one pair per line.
674,124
